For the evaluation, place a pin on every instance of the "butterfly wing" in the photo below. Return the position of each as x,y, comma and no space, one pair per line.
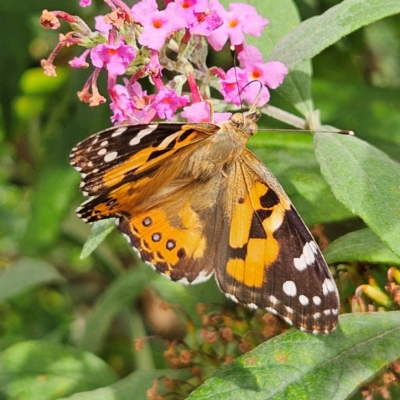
137,174
238,223
125,165
179,235
272,260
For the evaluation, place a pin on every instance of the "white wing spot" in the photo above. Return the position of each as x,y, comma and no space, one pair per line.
327,286
289,309
119,131
231,297
307,258
202,277
289,287
128,239
273,300
289,321
152,266
317,315
101,152
317,300
134,248
327,312
104,143
252,306
300,263
271,310
110,156
330,284
141,134
308,253
95,140
304,300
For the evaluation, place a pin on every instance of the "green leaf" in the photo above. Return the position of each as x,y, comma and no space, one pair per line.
365,180
290,157
99,232
318,33
46,370
119,295
55,189
371,112
297,365
25,274
133,386
362,245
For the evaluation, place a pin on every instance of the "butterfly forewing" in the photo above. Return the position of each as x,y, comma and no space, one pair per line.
193,201
115,155
121,166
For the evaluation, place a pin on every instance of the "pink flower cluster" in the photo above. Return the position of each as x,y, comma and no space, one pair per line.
143,41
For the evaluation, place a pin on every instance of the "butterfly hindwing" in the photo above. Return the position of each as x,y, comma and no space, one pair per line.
272,260
178,235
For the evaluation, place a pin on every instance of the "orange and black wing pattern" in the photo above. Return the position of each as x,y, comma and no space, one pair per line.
271,259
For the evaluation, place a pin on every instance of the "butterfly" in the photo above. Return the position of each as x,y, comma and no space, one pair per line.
195,202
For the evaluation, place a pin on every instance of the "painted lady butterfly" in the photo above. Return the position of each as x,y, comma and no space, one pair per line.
194,201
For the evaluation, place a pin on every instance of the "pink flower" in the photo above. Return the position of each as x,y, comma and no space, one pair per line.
271,73
206,22
157,25
167,102
250,92
154,67
242,18
80,62
186,10
101,26
85,3
131,104
232,83
200,112
115,57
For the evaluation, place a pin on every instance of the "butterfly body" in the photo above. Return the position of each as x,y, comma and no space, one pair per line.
194,201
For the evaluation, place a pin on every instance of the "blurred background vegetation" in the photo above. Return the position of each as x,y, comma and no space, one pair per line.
54,295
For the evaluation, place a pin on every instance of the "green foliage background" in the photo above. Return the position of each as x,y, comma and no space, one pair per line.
68,324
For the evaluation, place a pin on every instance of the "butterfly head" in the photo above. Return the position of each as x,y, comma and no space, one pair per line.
246,122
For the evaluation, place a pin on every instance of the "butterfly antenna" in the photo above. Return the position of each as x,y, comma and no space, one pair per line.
255,102
212,112
234,57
